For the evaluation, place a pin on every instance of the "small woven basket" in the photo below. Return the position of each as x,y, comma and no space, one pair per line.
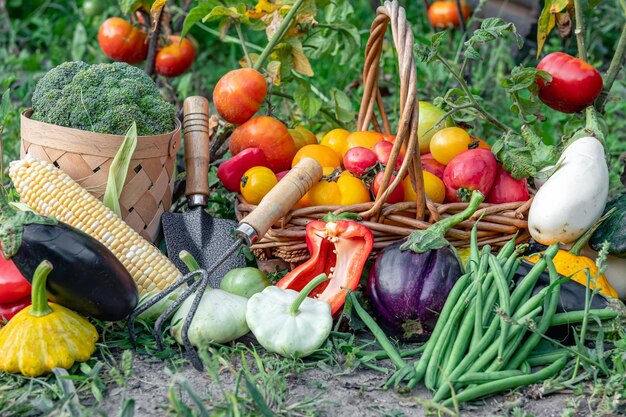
87,156
392,222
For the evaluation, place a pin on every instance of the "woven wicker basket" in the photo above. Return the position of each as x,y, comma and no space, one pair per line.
87,156
392,222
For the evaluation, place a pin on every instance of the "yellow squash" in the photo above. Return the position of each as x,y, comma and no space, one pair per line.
45,335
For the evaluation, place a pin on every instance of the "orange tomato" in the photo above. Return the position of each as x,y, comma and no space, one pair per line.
256,183
346,191
322,154
364,139
444,14
302,136
336,140
433,186
481,143
448,143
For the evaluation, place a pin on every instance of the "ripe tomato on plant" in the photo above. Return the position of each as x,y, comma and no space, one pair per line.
575,84
472,170
336,140
433,187
395,197
175,58
366,139
322,154
256,183
359,159
302,136
444,14
239,94
448,143
121,41
268,134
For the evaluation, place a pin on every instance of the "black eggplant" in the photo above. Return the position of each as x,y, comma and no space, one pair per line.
86,277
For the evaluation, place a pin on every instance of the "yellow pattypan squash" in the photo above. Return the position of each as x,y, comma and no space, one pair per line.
45,335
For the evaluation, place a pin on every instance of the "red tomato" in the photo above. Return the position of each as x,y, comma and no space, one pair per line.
239,94
175,58
575,84
281,174
472,170
431,165
359,159
444,14
382,150
121,41
506,189
13,286
231,171
396,196
268,134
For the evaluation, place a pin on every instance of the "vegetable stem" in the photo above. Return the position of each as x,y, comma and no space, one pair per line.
243,43
614,69
295,306
582,241
40,306
278,35
579,30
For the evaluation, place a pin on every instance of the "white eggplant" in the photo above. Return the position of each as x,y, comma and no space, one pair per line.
574,196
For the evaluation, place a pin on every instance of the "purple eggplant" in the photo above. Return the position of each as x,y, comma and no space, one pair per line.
410,280
407,290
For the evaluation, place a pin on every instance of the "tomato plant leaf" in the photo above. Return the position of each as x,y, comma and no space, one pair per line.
5,107
300,61
491,29
197,13
129,6
273,72
344,112
220,12
547,20
307,101
79,42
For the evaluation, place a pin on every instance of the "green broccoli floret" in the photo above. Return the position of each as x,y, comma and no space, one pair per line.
103,98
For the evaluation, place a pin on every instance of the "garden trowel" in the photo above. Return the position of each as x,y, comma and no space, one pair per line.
194,230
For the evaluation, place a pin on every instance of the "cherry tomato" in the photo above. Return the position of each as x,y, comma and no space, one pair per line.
382,149
348,190
175,58
302,136
429,115
448,143
121,41
256,183
444,14
336,140
396,196
268,134
239,94
472,170
506,189
575,84
431,165
433,186
365,139
322,154
358,160
478,143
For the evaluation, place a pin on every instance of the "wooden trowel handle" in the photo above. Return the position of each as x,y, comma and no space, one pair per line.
280,199
197,144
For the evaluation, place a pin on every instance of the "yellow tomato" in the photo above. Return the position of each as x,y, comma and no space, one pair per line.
302,136
256,183
325,193
448,143
364,139
346,191
434,187
322,154
336,140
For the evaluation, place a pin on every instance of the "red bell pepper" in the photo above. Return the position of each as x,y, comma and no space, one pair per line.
14,290
339,249
231,171
8,310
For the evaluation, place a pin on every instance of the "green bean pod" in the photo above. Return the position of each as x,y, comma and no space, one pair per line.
546,358
526,285
483,377
507,249
505,303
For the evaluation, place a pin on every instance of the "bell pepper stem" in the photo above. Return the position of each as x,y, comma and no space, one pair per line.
295,306
40,306
582,241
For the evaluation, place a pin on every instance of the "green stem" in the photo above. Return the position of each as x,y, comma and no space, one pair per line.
227,38
295,306
189,261
39,296
470,96
243,43
280,32
579,30
614,69
582,241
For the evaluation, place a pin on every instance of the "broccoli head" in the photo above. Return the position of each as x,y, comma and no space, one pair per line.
103,98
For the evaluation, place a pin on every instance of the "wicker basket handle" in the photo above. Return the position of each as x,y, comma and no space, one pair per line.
392,12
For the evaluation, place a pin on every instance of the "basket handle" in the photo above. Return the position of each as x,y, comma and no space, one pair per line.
392,12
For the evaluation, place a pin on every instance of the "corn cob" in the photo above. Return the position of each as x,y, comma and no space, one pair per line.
51,192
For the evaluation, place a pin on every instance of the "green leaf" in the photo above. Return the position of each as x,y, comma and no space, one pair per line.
118,170
342,106
219,12
197,13
258,399
346,215
5,107
308,102
129,6
491,29
79,42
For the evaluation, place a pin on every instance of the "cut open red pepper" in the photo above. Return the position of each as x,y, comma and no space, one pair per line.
339,249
